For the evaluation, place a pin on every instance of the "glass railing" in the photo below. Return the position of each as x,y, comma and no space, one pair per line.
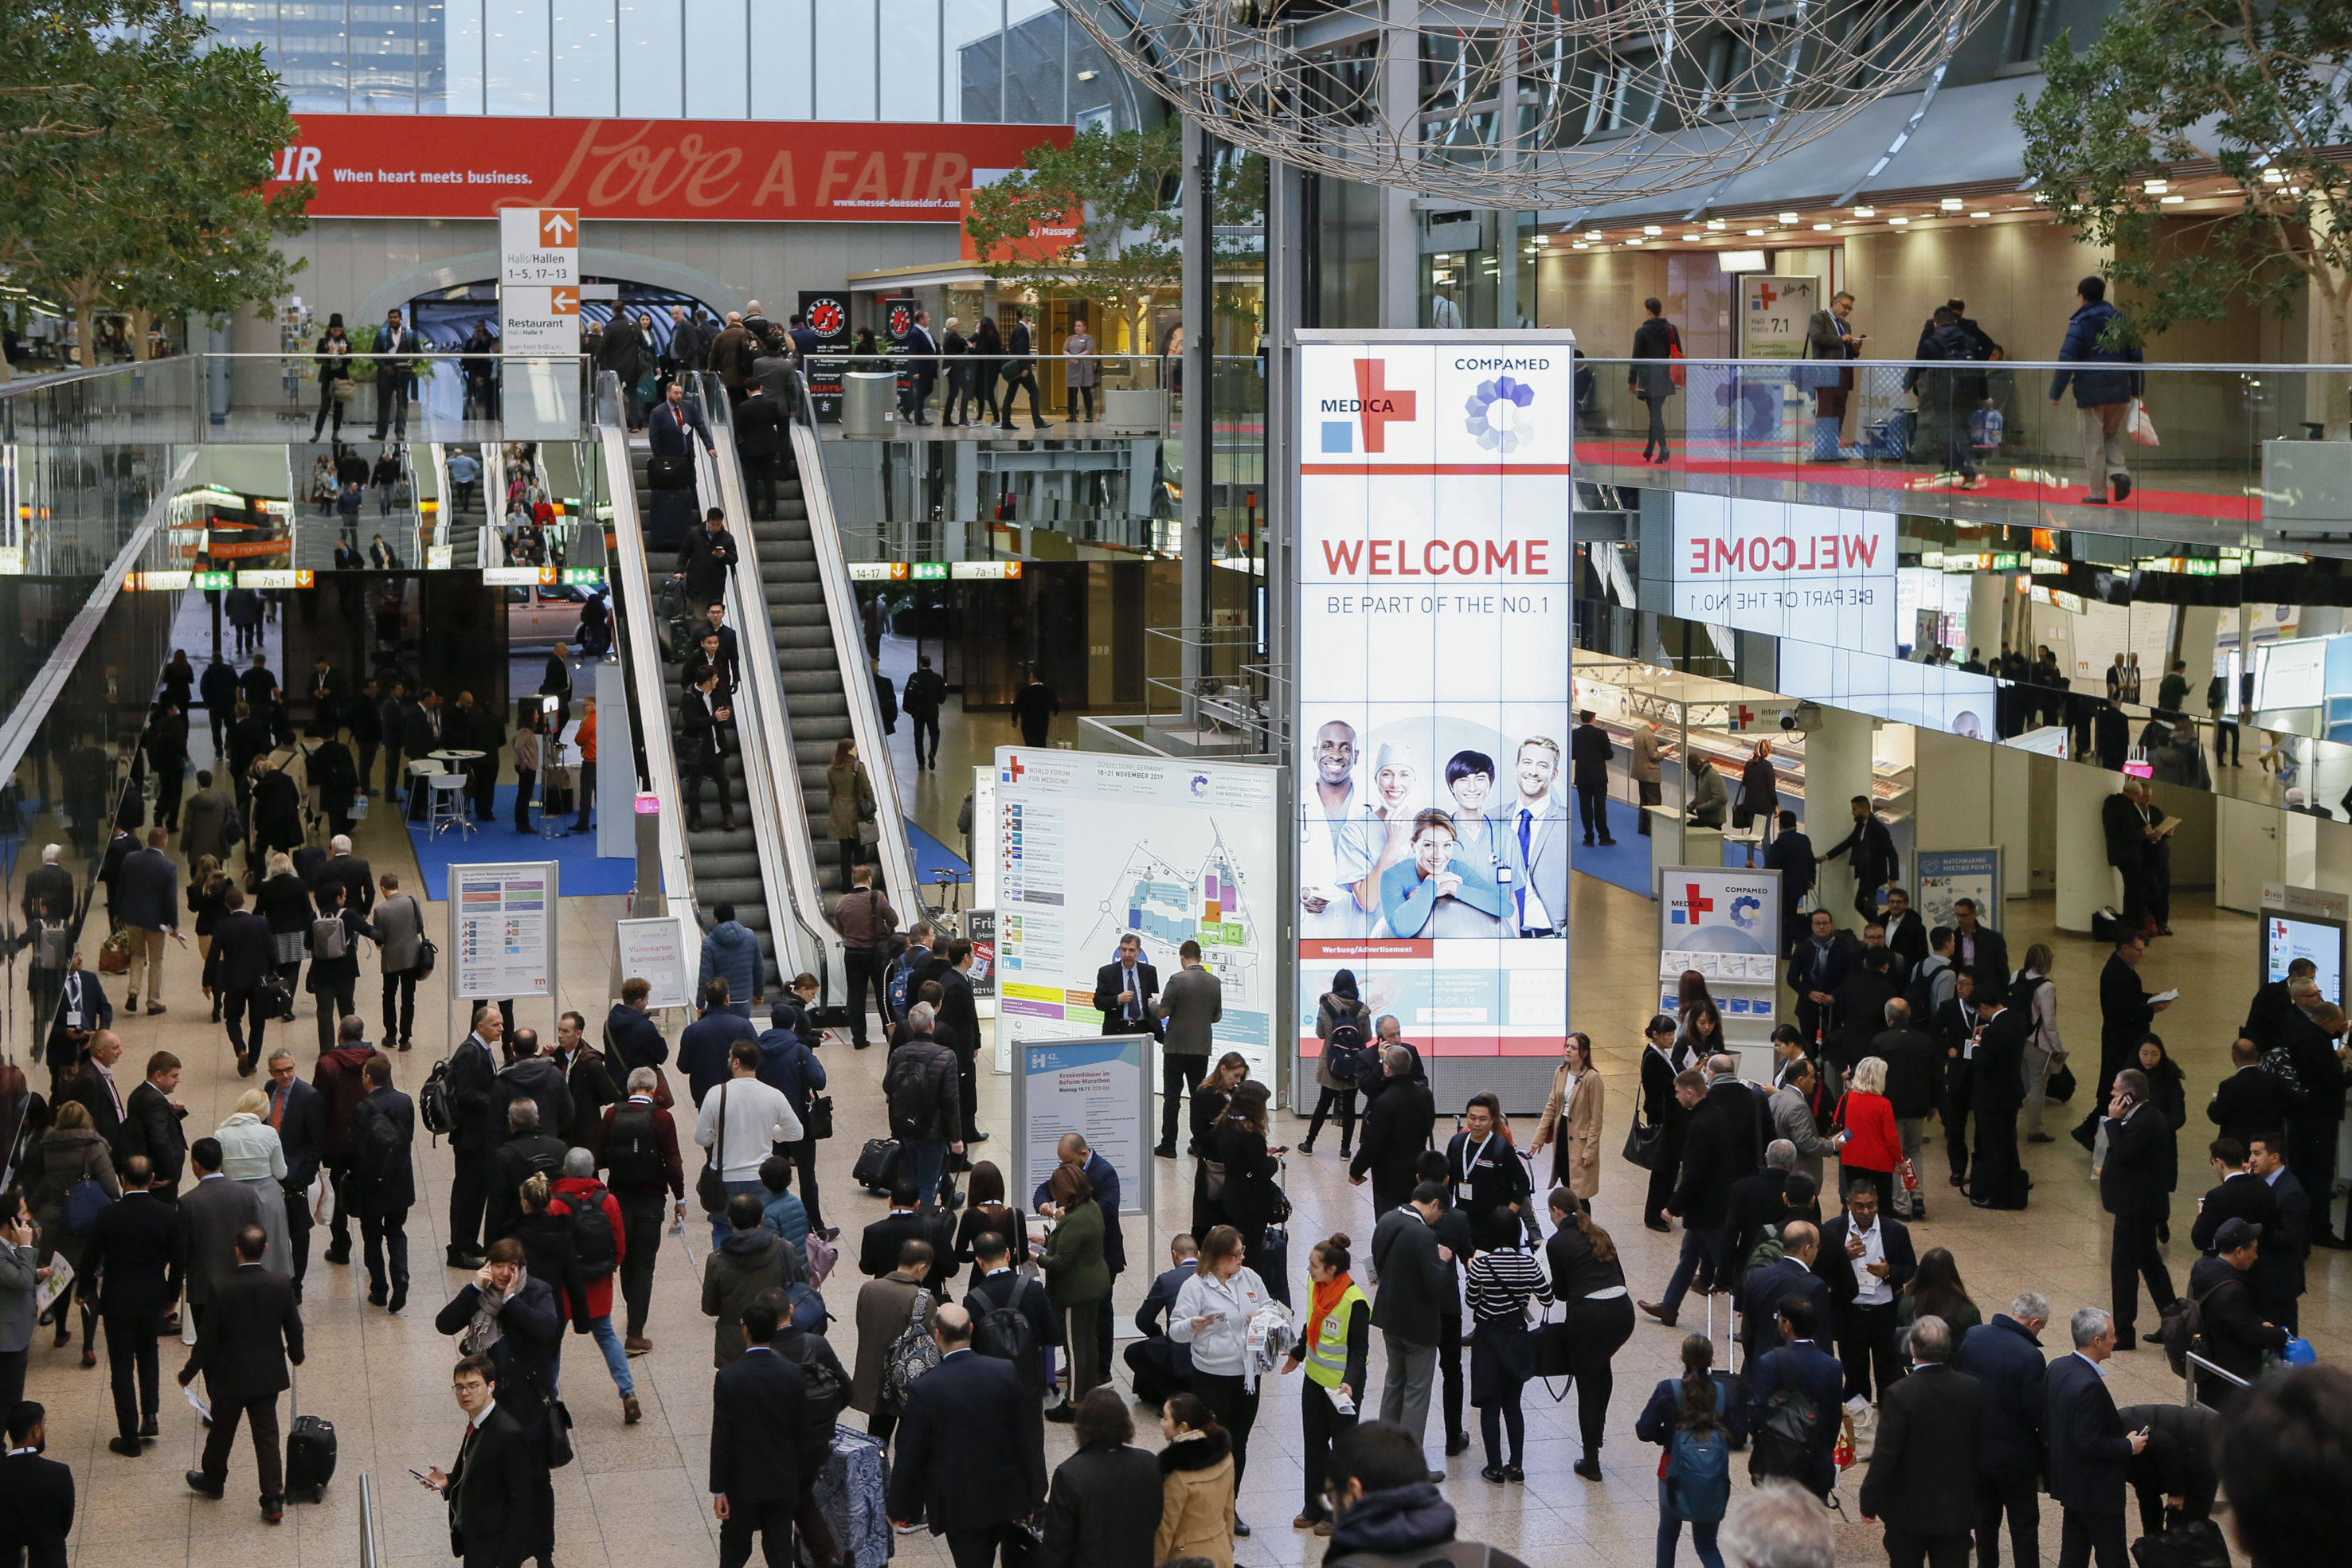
2223,454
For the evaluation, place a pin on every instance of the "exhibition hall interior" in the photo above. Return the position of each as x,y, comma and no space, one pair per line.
1751,580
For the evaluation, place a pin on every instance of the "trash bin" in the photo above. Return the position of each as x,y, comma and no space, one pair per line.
869,398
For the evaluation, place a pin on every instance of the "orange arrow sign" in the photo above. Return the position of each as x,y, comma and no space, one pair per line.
561,301
559,225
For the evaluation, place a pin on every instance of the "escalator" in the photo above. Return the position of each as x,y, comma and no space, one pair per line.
808,667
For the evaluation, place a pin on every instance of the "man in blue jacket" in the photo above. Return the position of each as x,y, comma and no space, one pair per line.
2005,1358
788,1066
2102,396
2088,1447
732,953
1802,1366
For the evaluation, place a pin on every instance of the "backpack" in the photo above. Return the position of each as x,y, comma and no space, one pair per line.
436,1106
2279,1062
1698,1475
902,978
328,937
1784,1443
632,1156
1768,1250
826,1398
377,1146
591,1236
85,1201
1006,1334
820,1255
911,1355
1343,1056
907,1088
2180,1325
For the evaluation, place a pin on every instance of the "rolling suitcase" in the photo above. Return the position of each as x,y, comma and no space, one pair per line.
310,1455
851,1494
670,517
1734,1386
878,1162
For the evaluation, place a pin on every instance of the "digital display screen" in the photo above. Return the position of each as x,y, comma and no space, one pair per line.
1436,569
2287,938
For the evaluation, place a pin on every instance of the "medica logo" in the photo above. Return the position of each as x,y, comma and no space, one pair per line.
1375,407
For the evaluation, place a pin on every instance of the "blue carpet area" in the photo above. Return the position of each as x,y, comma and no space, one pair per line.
581,873
932,857
1626,864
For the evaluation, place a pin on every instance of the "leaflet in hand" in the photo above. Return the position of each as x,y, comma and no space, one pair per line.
2170,996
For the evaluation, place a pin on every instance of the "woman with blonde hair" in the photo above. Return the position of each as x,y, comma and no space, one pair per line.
1868,1143
250,1153
285,903
1574,1112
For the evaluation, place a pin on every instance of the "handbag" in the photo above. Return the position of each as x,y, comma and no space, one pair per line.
2061,1084
114,954
1643,1144
710,1186
559,1428
1674,352
869,832
346,389
818,1123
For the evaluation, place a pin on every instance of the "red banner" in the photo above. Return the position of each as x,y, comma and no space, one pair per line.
434,166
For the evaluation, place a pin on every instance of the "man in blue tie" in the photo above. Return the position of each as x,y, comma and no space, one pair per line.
1537,824
1125,990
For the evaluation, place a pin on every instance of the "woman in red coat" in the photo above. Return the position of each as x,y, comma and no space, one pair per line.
597,1273
1868,1144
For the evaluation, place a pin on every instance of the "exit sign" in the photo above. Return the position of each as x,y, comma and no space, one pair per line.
210,581
930,571
582,577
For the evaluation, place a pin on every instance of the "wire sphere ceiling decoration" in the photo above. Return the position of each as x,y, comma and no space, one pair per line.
1529,103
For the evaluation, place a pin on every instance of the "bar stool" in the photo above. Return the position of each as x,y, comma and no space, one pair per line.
420,769
448,809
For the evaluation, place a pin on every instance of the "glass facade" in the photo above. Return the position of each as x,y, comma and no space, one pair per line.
996,61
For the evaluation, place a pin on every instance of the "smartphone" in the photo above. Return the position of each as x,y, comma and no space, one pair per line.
421,1476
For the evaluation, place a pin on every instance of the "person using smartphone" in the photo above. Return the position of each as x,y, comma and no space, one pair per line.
2134,1187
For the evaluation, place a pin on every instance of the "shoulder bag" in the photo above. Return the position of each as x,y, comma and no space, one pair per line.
1643,1144
710,1186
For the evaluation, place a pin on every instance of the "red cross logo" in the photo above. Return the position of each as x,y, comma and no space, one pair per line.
1694,903
1376,404
1013,768
1764,292
1746,717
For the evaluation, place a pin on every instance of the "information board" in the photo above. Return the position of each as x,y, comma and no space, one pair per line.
1095,847
503,931
1775,313
1436,567
1100,1086
2305,922
1946,876
1724,923
662,952
979,929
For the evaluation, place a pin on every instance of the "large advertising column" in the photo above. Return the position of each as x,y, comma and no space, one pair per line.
1435,576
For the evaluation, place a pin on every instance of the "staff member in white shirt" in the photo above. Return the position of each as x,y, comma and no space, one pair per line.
1865,1259
742,1122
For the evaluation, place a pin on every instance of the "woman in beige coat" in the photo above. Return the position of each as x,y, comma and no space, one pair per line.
1196,1484
849,801
1574,1112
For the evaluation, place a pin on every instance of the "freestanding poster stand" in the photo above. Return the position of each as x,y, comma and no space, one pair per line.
1099,1087
1725,922
502,931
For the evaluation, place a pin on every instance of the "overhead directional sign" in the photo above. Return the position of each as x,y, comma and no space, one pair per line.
538,245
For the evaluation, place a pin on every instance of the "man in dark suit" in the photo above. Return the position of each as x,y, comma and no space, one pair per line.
1789,1278
383,1181
473,1069
2235,1334
2133,1186
2273,1008
243,954
1997,1094
1589,752
1717,1149
878,1244
1818,965
82,1011
1923,1470
2241,1195
2126,1011
1874,860
1409,1307
212,1215
1906,932
151,1122
703,717
922,368
2004,1356
2279,1276
1766,1198
1103,1177
2251,1101
242,1348
760,1446
1800,1366
300,1114
1976,946
493,1492
2314,1126
1158,1366
526,1151
972,1447
2088,1448
40,1493
1790,853
1125,989
1865,1259
1396,1128
131,1268
99,1091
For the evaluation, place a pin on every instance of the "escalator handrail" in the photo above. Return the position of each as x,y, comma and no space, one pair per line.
773,792
897,856
638,626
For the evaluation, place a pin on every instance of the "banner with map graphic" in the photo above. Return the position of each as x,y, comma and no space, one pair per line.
1436,571
1093,847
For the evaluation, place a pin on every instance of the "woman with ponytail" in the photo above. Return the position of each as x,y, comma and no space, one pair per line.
1695,1421
1332,1349
1588,1278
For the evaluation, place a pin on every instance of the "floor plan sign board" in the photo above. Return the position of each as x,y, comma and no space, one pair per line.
1092,848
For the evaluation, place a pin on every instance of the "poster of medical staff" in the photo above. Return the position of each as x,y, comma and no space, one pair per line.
1437,568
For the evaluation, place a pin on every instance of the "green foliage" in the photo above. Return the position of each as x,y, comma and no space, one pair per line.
132,155
1119,190
2174,83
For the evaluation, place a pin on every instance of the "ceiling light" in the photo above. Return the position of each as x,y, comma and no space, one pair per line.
1788,217
1578,245
1543,239
1652,230
1950,204
1898,220
2174,201
1823,228
2155,187
1755,233
1715,222
1594,234
1741,260
1979,215
1689,238
1635,239
1865,212
2273,176
1088,76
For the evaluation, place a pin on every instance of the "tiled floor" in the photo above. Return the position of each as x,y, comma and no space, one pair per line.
383,1380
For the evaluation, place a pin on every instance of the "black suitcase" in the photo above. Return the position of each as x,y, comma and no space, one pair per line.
309,1459
877,1163
670,517
664,472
